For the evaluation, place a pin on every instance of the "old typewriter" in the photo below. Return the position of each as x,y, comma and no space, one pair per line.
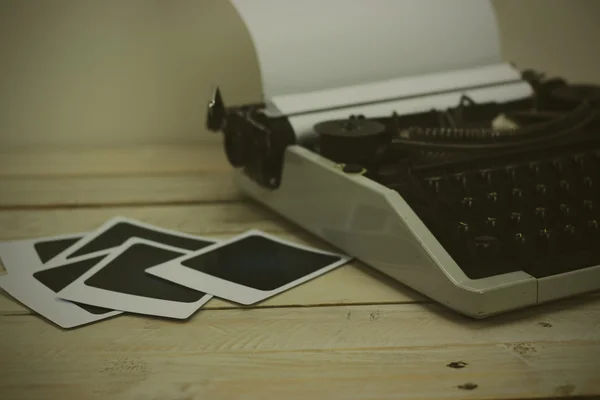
467,179
483,207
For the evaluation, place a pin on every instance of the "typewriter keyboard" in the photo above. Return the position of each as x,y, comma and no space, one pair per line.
539,215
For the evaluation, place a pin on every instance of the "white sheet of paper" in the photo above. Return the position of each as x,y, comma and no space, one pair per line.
25,288
80,291
311,45
329,59
73,253
224,257
21,255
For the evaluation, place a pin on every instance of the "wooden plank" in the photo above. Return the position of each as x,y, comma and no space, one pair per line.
139,160
353,352
354,283
203,219
118,190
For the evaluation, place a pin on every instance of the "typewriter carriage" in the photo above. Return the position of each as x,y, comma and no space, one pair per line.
256,143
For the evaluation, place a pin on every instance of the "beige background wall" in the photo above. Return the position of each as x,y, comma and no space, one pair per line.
112,72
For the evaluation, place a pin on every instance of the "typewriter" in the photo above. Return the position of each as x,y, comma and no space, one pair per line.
484,205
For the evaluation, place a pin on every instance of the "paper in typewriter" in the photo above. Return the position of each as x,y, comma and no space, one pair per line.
375,57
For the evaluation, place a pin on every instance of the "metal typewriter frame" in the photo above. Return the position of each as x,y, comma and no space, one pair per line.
318,196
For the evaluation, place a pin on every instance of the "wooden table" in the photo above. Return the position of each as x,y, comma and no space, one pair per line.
351,334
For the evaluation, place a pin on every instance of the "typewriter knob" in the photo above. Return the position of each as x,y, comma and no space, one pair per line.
352,141
236,147
215,113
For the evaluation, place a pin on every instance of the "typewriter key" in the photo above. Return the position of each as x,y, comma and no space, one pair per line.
541,189
434,184
485,247
520,241
564,186
564,210
588,206
569,230
517,197
468,204
492,198
541,213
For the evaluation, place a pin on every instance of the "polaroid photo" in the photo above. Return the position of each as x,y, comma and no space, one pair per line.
38,291
248,268
117,231
30,255
120,282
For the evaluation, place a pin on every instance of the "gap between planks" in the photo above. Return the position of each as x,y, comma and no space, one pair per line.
215,187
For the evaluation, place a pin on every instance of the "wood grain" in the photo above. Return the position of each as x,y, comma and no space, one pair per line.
94,191
204,219
95,161
348,352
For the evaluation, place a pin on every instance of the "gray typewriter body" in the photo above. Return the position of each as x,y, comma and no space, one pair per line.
473,213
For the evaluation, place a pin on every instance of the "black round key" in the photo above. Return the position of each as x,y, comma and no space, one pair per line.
515,219
462,234
545,234
434,184
545,241
569,230
568,237
517,193
486,247
541,189
564,210
588,206
583,161
541,214
463,228
558,165
588,184
492,198
492,225
512,172
461,180
520,244
541,170
490,178
517,197
468,204
536,168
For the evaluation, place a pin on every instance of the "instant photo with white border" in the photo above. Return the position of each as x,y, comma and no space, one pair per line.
36,296
81,292
176,272
67,255
22,256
